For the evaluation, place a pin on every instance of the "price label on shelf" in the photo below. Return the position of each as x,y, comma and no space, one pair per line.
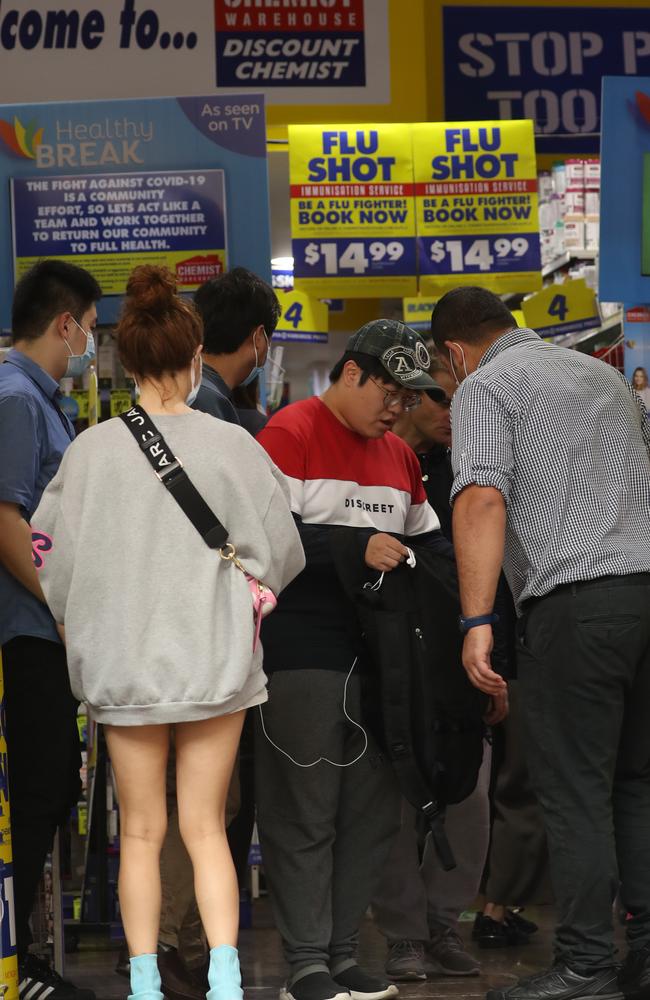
303,319
560,309
466,255
121,401
416,311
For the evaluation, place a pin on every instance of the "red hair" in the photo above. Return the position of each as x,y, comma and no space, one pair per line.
158,331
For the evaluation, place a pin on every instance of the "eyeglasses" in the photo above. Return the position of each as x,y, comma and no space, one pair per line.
406,400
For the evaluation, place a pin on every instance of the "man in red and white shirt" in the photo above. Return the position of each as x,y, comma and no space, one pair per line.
328,804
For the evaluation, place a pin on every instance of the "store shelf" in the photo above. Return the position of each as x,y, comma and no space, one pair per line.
612,322
576,339
513,298
567,258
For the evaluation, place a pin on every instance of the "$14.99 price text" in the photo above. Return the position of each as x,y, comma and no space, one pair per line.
358,257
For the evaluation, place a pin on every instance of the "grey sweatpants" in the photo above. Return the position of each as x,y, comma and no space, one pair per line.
412,899
325,831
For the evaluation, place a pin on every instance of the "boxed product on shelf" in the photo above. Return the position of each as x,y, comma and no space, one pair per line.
574,202
574,234
592,174
569,206
592,233
575,174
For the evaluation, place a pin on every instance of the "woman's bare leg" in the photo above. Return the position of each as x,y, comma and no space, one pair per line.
139,758
205,757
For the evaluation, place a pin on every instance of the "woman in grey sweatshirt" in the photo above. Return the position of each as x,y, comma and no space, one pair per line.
159,630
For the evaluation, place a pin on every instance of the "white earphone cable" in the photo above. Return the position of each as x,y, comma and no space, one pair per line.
325,760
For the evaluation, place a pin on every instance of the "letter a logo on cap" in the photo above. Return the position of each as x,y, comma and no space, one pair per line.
400,365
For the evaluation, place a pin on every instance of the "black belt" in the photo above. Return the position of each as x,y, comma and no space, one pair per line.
621,580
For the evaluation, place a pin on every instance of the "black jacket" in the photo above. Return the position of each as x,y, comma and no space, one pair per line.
417,699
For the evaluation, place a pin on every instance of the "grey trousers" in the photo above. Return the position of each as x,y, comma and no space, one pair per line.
413,900
518,857
325,831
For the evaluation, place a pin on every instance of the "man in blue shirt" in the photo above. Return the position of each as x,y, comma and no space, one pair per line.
53,318
239,313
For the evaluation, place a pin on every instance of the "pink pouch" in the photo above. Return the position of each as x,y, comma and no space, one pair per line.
264,602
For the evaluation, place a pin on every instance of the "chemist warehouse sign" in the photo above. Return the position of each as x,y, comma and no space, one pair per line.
544,63
294,51
320,42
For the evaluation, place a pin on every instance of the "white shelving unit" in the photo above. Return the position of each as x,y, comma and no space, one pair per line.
565,259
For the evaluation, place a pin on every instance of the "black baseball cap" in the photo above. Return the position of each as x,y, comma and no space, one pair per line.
402,353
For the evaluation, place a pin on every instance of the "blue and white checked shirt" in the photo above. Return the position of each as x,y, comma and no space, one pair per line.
566,441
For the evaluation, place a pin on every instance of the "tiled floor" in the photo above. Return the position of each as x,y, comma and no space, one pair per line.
263,966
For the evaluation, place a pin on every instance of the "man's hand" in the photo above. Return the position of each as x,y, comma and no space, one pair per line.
497,709
384,552
16,549
476,660
61,630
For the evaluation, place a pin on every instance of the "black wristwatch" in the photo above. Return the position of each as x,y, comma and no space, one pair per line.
465,624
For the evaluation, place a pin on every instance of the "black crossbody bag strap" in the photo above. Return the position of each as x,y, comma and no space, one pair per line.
172,475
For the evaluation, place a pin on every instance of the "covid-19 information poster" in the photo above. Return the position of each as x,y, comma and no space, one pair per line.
180,182
476,204
112,222
352,210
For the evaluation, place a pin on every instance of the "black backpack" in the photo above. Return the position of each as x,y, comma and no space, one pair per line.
417,699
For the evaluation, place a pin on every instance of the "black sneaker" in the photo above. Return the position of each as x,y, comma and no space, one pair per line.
38,981
315,986
447,956
361,986
562,983
634,976
525,925
489,933
405,962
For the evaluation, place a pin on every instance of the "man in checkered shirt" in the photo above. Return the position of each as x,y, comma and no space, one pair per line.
551,457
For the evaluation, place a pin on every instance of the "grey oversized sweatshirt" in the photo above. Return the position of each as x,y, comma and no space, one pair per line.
158,628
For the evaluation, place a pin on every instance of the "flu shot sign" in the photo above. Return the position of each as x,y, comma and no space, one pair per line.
476,206
352,210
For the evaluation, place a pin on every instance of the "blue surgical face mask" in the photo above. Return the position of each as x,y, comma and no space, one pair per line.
194,391
77,363
258,370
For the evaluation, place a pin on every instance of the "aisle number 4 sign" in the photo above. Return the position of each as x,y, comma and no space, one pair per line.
561,309
303,319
